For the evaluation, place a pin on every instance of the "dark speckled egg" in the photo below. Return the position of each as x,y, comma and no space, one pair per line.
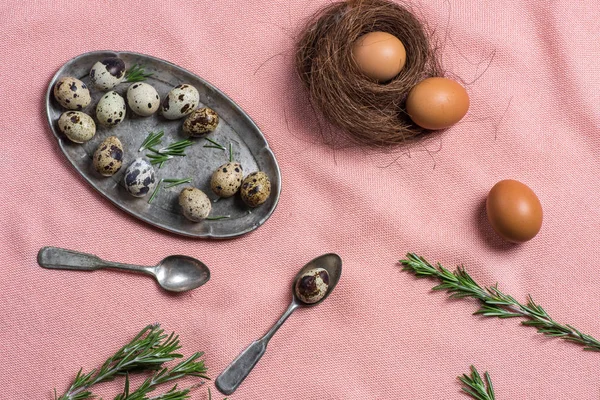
108,73
77,126
195,204
110,110
71,93
227,179
139,178
256,189
108,157
180,101
201,122
312,285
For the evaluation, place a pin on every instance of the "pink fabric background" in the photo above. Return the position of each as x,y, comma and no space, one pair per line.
534,81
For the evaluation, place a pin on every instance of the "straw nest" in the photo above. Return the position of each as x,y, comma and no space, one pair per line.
370,113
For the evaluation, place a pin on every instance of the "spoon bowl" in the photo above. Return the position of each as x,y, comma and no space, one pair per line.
330,262
181,273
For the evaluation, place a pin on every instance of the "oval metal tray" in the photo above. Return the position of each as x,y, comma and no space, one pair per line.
250,148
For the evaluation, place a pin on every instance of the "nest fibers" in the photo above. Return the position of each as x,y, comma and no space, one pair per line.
371,113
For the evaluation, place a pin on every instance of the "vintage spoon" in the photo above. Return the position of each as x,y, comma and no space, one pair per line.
238,370
174,273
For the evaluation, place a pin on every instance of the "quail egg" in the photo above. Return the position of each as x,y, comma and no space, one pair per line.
108,157
256,189
143,99
180,101
108,73
139,178
110,110
71,93
77,126
227,179
312,285
195,204
201,122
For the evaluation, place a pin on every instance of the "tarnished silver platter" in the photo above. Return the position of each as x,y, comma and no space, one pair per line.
250,148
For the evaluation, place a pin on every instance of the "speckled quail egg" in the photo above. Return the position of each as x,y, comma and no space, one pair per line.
201,122
180,101
71,93
312,285
143,99
195,204
139,178
256,189
108,73
108,157
227,179
77,126
110,110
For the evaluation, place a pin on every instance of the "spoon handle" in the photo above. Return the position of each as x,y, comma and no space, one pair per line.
238,370
57,258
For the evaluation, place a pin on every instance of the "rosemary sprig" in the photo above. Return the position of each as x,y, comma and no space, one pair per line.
155,191
215,145
153,139
495,303
189,367
173,182
475,387
176,149
217,217
136,74
147,351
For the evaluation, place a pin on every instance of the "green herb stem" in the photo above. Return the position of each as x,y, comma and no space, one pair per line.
495,303
155,191
230,153
475,387
217,145
217,217
188,367
172,182
176,148
153,139
147,351
136,74
176,182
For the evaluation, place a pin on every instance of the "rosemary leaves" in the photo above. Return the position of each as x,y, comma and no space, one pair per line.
495,303
149,350
475,386
136,74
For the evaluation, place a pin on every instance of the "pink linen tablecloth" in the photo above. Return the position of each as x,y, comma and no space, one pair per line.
533,75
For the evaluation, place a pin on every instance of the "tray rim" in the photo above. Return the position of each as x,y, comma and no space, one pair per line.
263,140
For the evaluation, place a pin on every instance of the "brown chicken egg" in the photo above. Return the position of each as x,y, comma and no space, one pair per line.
437,103
514,211
379,55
